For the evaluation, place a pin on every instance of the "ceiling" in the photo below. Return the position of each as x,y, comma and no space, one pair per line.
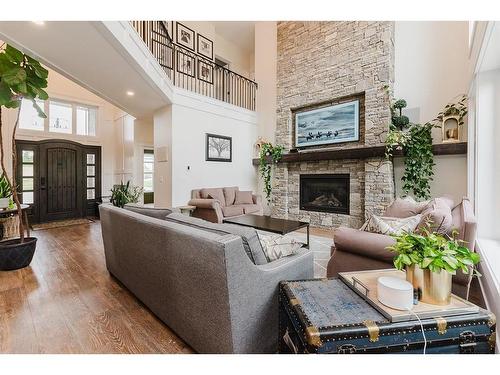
81,52
238,32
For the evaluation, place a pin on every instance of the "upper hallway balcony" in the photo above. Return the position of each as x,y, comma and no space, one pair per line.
192,71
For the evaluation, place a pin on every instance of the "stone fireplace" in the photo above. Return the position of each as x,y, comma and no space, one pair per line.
325,193
331,62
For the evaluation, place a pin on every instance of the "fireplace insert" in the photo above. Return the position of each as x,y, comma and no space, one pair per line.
325,193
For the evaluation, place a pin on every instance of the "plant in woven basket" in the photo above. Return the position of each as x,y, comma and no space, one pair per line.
21,77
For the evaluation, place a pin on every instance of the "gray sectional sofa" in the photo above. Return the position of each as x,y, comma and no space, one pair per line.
201,283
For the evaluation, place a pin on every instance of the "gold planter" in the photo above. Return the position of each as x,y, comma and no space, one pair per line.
432,287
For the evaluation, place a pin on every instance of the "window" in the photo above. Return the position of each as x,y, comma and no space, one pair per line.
148,170
28,118
28,176
91,162
62,117
86,120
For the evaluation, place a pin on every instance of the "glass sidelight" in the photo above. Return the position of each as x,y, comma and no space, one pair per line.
91,176
27,176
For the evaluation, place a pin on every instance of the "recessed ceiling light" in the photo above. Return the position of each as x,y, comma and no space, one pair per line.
130,93
39,23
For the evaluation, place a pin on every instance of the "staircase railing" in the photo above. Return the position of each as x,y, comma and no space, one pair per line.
193,72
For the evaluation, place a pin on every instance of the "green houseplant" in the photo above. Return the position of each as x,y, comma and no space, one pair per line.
268,155
415,140
430,260
125,193
5,192
21,77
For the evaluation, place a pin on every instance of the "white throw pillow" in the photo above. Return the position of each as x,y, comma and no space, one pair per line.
391,225
276,246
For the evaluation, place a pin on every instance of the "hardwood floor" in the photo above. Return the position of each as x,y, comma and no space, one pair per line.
66,302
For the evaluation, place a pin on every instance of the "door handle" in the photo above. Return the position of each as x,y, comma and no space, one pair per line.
42,183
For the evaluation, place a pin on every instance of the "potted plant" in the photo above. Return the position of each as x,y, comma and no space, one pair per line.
5,192
21,77
125,193
431,260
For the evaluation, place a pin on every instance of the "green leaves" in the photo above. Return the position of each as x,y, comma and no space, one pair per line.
275,153
433,251
21,76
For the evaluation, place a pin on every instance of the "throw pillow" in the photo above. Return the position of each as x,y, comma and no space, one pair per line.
214,193
276,246
437,216
243,197
249,236
405,207
391,225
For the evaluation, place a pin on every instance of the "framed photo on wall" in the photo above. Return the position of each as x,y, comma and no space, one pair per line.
335,123
184,36
186,64
205,72
219,148
205,47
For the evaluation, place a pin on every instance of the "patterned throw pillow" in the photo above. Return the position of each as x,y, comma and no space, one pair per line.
391,225
276,246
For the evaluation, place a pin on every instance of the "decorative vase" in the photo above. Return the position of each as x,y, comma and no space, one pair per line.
432,287
4,203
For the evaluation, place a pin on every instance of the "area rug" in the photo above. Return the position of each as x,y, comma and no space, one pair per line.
61,223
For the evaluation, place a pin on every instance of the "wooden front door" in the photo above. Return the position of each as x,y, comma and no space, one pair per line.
59,179
60,171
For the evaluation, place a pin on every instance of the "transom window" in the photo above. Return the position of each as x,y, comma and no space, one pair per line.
62,117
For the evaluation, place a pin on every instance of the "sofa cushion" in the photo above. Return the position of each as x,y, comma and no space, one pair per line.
405,207
214,193
243,197
437,216
229,211
158,213
276,246
249,237
230,194
391,225
371,245
249,208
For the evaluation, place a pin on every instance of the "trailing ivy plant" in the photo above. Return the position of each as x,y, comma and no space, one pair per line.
415,140
268,156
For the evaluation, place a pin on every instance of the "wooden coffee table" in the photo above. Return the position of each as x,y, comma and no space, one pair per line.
269,224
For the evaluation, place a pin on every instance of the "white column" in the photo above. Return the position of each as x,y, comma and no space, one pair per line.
162,121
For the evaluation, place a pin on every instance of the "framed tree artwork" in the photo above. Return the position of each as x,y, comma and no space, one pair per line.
205,47
184,36
219,148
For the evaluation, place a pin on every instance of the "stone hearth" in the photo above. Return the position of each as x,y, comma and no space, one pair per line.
329,61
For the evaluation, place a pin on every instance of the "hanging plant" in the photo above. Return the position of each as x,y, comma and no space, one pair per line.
415,140
275,153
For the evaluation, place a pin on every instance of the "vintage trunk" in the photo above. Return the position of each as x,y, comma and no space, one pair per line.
326,316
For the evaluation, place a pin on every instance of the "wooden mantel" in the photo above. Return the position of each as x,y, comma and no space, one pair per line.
364,153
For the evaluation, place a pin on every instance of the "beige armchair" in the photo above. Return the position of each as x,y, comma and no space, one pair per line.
215,204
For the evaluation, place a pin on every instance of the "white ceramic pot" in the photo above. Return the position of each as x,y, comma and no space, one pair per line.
4,203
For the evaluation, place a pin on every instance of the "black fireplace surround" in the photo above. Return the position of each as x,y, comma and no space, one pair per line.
325,193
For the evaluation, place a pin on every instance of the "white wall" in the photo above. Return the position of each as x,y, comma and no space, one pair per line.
192,117
431,69
162,122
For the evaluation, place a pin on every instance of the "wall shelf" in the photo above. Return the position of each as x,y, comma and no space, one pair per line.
458,148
